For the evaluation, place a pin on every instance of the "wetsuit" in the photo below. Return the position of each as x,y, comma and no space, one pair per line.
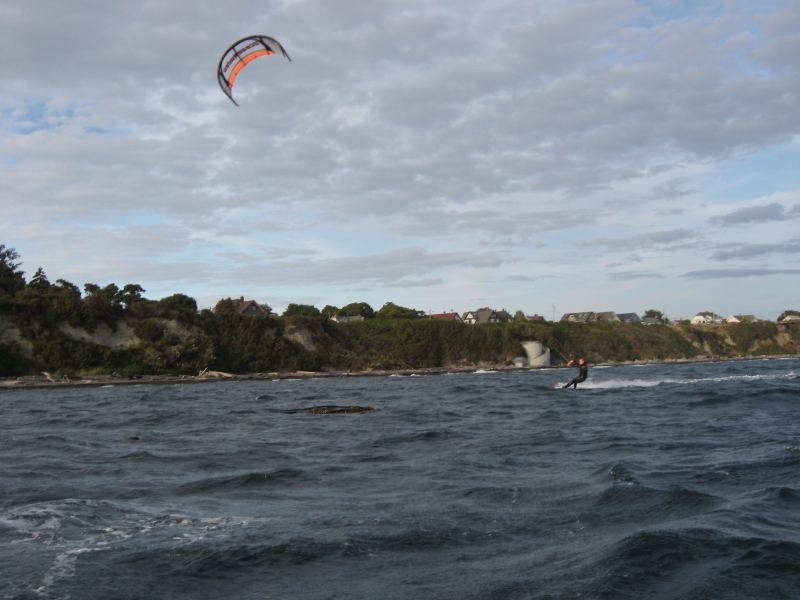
583,373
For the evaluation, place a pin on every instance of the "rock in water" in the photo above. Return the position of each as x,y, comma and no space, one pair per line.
331,409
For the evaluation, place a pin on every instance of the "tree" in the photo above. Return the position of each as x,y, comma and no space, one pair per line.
355,309
101,303
390,310
11,278
301,310
68,288
519,317
652,313
178,306
131,294
39,280
329,311
66,300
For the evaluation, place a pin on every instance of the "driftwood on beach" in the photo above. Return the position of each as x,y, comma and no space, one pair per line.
51,379
206,374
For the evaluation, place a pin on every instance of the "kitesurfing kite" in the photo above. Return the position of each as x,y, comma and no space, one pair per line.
241,54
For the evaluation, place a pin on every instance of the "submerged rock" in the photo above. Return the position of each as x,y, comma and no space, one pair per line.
330,409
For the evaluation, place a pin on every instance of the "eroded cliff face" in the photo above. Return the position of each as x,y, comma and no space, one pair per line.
301,336
123,336
747,339
157,345
10,334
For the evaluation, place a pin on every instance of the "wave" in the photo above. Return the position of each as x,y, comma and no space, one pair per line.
696,563
630,502
648,383
243,481
431,435
494,495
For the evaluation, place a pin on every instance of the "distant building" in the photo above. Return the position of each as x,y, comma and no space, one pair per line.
578,317
486,315
249,308
503,316
790,319
706,318
609,316
536,318
629,318
741,319
448,316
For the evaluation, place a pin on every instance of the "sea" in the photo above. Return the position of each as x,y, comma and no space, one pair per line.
651,481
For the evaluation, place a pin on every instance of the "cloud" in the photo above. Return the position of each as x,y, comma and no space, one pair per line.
502,225
748,251
664,239
407,266
753,214
518,278
452,133
628,275
738,273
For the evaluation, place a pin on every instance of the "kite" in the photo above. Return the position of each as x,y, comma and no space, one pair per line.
241,54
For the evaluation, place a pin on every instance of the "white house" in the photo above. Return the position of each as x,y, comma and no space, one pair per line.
578,317
741,319
706,318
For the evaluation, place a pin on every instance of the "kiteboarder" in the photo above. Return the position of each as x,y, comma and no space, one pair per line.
583,372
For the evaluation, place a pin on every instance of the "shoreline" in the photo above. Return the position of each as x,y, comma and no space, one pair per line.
29,382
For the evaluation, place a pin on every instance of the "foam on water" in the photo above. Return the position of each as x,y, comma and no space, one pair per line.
594,383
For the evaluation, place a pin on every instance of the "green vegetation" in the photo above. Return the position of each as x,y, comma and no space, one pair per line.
303,310
52,327
390,310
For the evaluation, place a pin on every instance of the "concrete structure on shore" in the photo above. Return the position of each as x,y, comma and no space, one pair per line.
538,354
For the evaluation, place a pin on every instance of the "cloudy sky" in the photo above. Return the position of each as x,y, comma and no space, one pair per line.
546,156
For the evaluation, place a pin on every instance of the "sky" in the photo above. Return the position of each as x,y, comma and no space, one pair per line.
549,156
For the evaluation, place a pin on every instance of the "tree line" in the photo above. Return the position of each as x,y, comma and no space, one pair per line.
170,335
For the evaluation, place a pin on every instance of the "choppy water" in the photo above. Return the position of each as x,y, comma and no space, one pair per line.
657,482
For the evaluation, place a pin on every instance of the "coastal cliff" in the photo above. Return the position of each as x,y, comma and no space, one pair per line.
187,342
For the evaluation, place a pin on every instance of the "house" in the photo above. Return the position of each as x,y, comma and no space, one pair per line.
503,316
790,319
536,318
485,315
448,316
578,317
629,318
741,319
609,316
706,318
249,308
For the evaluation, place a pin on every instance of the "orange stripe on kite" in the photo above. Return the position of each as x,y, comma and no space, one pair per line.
244,61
